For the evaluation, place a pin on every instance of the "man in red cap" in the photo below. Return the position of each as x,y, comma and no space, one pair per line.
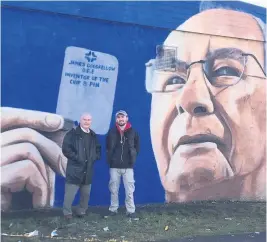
122,149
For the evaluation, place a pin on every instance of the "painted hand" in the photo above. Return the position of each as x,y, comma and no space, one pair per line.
31,154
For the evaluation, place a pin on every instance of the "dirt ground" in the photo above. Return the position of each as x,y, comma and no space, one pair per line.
156,223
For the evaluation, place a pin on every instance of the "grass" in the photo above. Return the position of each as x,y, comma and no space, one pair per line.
183,220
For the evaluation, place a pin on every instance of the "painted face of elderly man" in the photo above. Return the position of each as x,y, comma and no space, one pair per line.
208,110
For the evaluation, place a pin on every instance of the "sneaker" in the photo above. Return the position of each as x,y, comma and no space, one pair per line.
80,215
132,216
110,214
68,217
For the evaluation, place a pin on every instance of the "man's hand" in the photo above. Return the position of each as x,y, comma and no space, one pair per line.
29,158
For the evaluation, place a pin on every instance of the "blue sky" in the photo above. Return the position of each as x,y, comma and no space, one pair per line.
262,3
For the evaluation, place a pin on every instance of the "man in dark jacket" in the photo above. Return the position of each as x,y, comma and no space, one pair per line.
82,149
122,148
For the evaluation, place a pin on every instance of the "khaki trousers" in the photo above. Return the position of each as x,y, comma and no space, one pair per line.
114,185
70,192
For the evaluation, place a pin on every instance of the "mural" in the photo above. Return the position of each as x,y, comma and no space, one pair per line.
208,109
201,113
32,140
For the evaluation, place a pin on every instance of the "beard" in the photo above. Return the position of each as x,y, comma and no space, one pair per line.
122,123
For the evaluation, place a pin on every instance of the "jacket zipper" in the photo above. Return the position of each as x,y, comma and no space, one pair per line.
122,146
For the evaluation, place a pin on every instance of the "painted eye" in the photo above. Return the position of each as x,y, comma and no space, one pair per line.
174,83
224,76
175,80
226,71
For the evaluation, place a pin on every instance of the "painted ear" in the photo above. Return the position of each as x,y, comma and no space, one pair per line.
150,67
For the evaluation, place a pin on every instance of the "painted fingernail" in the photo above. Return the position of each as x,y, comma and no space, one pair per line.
54,121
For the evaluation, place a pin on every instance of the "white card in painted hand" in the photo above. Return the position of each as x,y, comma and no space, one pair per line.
88,84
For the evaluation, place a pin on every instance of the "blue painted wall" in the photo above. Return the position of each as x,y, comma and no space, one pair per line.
35,36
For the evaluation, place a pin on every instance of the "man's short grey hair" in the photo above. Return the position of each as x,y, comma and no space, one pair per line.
206,5
85,114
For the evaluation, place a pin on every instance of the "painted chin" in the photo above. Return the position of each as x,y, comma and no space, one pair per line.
193,166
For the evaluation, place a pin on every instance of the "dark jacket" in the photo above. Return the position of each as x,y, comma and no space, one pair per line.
80,158
122,147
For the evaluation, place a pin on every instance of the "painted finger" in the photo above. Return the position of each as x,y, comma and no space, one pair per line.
16,176
23,151
16,117
48,149
51,176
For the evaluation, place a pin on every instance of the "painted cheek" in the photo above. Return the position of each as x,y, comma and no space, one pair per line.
163,106
243,114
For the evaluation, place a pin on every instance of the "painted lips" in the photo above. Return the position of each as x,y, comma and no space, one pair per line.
200,139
